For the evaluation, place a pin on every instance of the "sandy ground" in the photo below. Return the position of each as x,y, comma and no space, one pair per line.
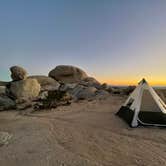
83,134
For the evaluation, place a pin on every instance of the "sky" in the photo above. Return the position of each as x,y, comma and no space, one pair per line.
115,41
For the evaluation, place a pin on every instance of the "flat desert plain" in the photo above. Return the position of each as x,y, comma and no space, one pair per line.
86,133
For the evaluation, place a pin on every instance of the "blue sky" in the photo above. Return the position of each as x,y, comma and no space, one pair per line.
116,41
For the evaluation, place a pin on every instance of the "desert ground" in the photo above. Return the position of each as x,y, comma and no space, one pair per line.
86,133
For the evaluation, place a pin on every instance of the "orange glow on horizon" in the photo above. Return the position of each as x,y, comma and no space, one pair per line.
157,82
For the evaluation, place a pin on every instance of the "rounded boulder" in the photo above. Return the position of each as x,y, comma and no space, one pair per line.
46,83
67,74
18,73
25,89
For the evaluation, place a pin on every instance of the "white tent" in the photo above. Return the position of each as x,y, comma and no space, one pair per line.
143,107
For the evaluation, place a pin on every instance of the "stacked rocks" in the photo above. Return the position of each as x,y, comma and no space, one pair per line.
62,81
21,87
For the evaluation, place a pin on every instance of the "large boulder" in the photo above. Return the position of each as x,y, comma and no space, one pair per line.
87,93
67,74
82,92
46,83
24,89
67,87
6,103
76,90
18,73
90,82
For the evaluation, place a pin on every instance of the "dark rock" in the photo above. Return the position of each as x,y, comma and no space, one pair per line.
6,103
54,99
18,73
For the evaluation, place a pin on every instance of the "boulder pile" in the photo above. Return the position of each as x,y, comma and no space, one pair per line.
63,85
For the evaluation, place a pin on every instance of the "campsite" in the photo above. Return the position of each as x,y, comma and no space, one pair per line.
144,107
82,82
82,134
85,133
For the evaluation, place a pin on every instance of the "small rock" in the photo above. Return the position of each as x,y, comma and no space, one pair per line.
43,95
18,73
4,138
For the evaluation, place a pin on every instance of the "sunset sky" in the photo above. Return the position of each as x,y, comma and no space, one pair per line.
116,41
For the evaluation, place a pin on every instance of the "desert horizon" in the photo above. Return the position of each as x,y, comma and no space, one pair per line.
69,118
155,82
82,83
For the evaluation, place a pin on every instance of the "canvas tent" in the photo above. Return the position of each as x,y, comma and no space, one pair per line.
143,107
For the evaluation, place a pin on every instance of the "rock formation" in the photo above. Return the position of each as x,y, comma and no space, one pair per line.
64,85
24,89
90,82
86,93
67,74
46,83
